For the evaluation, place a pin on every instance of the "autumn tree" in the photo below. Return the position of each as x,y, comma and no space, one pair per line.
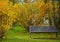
7,17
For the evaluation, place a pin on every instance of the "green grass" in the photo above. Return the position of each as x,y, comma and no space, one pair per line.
17,35
44,35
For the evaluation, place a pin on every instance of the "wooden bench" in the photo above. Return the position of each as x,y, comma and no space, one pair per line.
42,29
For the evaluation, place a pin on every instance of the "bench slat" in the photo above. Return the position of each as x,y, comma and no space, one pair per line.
43,29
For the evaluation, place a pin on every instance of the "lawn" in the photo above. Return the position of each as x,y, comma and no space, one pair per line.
18,35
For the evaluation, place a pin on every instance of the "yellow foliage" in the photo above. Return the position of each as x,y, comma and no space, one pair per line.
25,14
7,15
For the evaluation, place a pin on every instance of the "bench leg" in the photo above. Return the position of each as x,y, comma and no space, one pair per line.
30,34
56,35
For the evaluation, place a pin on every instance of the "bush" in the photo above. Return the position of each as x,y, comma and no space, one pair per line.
7,16
3,23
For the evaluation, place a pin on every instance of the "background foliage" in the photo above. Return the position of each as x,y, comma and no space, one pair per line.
27,14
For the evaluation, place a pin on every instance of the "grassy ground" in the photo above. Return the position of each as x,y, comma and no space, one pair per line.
17,35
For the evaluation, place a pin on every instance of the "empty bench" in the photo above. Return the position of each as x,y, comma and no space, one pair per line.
42,29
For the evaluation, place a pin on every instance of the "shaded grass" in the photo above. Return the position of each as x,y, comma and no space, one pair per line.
17,35
44,35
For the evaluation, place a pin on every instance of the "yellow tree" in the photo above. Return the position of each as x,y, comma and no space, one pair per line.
7,16
40,6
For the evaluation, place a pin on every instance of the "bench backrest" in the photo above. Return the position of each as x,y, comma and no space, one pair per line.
42,29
